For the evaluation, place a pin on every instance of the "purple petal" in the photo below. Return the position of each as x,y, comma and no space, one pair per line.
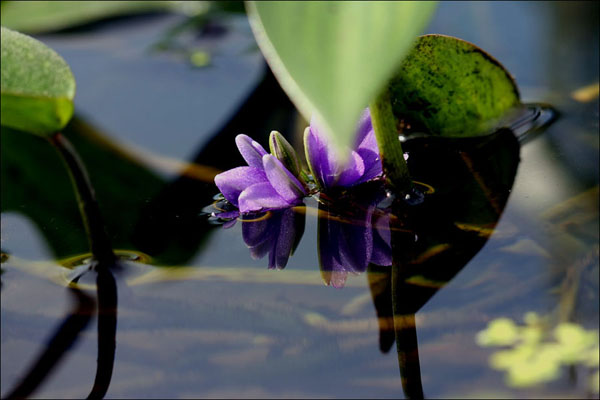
259,250
356,243
369,151
252,151
285,239
233,182
275,234
261,196
352,172
332,270
256,232
362,165
372,165
338,279
282,180
365,126
382,238
228,214
316,152
369,142
229,224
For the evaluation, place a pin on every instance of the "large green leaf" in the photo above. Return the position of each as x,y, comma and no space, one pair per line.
42,16
37,85
449,87
332,58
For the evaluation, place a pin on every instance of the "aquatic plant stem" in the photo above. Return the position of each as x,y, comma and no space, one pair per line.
390,148
99,241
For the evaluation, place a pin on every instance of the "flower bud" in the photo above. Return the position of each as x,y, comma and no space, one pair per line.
284,152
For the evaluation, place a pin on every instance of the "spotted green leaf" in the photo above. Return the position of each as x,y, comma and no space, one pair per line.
449,87
37,85
333,57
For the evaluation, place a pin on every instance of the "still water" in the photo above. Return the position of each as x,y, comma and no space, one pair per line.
198,316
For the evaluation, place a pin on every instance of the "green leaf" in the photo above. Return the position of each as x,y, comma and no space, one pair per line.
332,58
37,85
449,87
500,332
43,16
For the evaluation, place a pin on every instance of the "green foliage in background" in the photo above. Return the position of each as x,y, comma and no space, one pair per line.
332,58
449,87
534,355
37,85
42,16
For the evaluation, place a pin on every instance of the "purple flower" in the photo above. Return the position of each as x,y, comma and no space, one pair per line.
362,165
265,184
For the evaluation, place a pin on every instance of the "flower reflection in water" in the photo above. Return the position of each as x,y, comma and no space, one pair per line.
276,233
353,234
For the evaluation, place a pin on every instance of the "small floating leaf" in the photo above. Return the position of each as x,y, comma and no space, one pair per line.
449,87
37,85
500,332
333,57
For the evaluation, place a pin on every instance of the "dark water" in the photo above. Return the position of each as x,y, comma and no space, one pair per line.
198,317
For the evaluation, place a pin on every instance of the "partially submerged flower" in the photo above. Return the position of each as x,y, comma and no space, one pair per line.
326,163
265,184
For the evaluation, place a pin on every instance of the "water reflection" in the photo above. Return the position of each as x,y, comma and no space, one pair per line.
409,249
353,232
68,333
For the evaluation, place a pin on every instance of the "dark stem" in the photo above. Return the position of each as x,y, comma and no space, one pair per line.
408,356
406,301
58,345
406,339
88,206
107,330
390,148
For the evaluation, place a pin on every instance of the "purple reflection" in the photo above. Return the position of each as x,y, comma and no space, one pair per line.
352,237
276,233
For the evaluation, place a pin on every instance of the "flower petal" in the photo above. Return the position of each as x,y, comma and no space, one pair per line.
372,164
369,151
285,239
382,238
315,153
332,271
261,196
231,183
282,180
352,171
325,161
356,243
251,150
365,127
256,232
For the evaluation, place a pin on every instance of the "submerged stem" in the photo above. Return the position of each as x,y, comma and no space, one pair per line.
90,212
390,148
